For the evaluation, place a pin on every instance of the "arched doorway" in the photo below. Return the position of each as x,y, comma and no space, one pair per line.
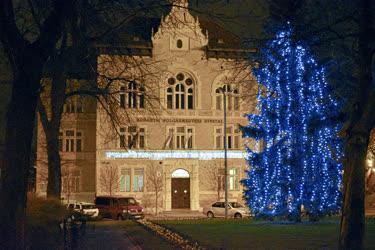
180,189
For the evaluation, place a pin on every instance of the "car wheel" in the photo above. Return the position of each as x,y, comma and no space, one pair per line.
238,216
210,215
119,217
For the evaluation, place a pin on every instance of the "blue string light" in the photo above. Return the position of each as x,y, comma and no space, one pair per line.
297,165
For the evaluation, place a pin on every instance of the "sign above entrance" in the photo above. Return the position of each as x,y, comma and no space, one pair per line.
176,154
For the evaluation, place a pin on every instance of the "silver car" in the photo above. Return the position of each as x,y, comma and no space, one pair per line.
235,210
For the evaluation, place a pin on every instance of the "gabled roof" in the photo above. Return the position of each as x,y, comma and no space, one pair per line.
135,38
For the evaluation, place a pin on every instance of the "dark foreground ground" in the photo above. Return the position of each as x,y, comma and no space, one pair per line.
254,234
119,235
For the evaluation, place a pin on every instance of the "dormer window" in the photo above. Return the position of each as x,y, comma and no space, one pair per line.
179,44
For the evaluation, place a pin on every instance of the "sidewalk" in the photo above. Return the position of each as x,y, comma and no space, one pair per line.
176,214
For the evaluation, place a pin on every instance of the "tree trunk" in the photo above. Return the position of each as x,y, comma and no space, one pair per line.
353,216
54,164
352,228
14,177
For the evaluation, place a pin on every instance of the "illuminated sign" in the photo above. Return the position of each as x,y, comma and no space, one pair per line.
188,154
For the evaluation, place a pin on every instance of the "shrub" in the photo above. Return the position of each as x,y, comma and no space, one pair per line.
43,223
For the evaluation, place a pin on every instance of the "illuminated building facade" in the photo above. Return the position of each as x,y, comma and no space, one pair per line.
167,137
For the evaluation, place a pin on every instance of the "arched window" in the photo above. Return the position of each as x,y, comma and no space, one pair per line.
180,93
132,96
233,98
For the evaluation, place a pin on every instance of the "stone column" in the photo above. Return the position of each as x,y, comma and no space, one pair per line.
194,188
168,192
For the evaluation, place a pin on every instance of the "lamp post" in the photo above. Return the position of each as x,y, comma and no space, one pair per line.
223,90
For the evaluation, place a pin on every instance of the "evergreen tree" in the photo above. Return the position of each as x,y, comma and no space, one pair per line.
296,128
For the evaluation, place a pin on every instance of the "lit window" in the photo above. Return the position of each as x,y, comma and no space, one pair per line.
138,180
125,180
180,93
69,141
233,179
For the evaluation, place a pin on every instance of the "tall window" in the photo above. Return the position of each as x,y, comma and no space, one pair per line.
132,96
132,137
180,92
138,180
71,141
233,98
70,181
125,180
233,137
74,105
233,179
179,138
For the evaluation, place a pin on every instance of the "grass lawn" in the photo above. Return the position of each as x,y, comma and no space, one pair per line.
255,234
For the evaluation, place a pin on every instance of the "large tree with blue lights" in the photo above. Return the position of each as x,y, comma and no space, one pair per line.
297,160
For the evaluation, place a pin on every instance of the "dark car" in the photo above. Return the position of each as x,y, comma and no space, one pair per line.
119,207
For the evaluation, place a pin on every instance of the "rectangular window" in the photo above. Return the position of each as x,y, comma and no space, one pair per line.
177,101
189,140
125,180
190,102
138,180
141,138
142,101
79,142
135,136
122,100
169,101
233,138
233,179
122,138
69,140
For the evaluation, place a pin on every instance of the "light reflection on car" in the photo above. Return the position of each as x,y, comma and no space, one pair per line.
235,210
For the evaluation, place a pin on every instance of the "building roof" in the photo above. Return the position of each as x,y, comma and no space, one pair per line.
136,38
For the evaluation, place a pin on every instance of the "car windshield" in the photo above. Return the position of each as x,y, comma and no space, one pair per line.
127,201
235,205
132,201
88,206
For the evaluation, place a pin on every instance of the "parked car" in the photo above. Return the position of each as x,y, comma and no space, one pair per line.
235,210
84,208
119,207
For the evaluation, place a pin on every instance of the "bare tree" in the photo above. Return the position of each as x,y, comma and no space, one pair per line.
109,179
154,180
214,177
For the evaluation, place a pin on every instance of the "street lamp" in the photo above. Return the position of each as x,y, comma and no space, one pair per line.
224,90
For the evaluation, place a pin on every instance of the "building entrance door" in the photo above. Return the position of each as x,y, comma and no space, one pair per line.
180,189
180,193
